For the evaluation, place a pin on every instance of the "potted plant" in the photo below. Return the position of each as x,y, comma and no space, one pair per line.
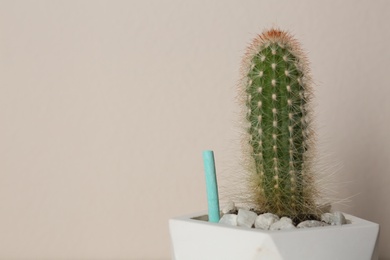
278,148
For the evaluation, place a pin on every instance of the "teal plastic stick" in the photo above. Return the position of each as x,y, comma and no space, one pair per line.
211,186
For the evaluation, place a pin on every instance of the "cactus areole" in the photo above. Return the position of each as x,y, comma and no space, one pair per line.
276,93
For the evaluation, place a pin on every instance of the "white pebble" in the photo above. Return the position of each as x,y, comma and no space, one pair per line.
311,223
335,218
264,221
246,218
340,218
229,207
283,224
327,217
229,219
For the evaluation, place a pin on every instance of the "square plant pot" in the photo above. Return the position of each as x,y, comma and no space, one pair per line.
195,238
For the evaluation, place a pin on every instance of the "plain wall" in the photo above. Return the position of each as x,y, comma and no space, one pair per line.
106,106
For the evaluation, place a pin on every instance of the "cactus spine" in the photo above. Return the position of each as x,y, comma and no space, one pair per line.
276,93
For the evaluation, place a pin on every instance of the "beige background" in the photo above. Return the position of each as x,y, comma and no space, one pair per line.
106,106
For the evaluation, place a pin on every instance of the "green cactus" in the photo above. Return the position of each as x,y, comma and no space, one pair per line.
276,92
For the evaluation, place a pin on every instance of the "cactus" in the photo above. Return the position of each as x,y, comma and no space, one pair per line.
276,93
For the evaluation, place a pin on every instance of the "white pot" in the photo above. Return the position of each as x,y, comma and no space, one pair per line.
194,238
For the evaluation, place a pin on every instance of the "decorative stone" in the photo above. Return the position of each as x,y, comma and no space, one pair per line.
340,218
264,221
311,223
327,218
325,207
246,218
229,219
335,218
230,207
283,224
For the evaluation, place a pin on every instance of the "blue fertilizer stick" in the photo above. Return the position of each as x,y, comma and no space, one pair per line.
211,186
